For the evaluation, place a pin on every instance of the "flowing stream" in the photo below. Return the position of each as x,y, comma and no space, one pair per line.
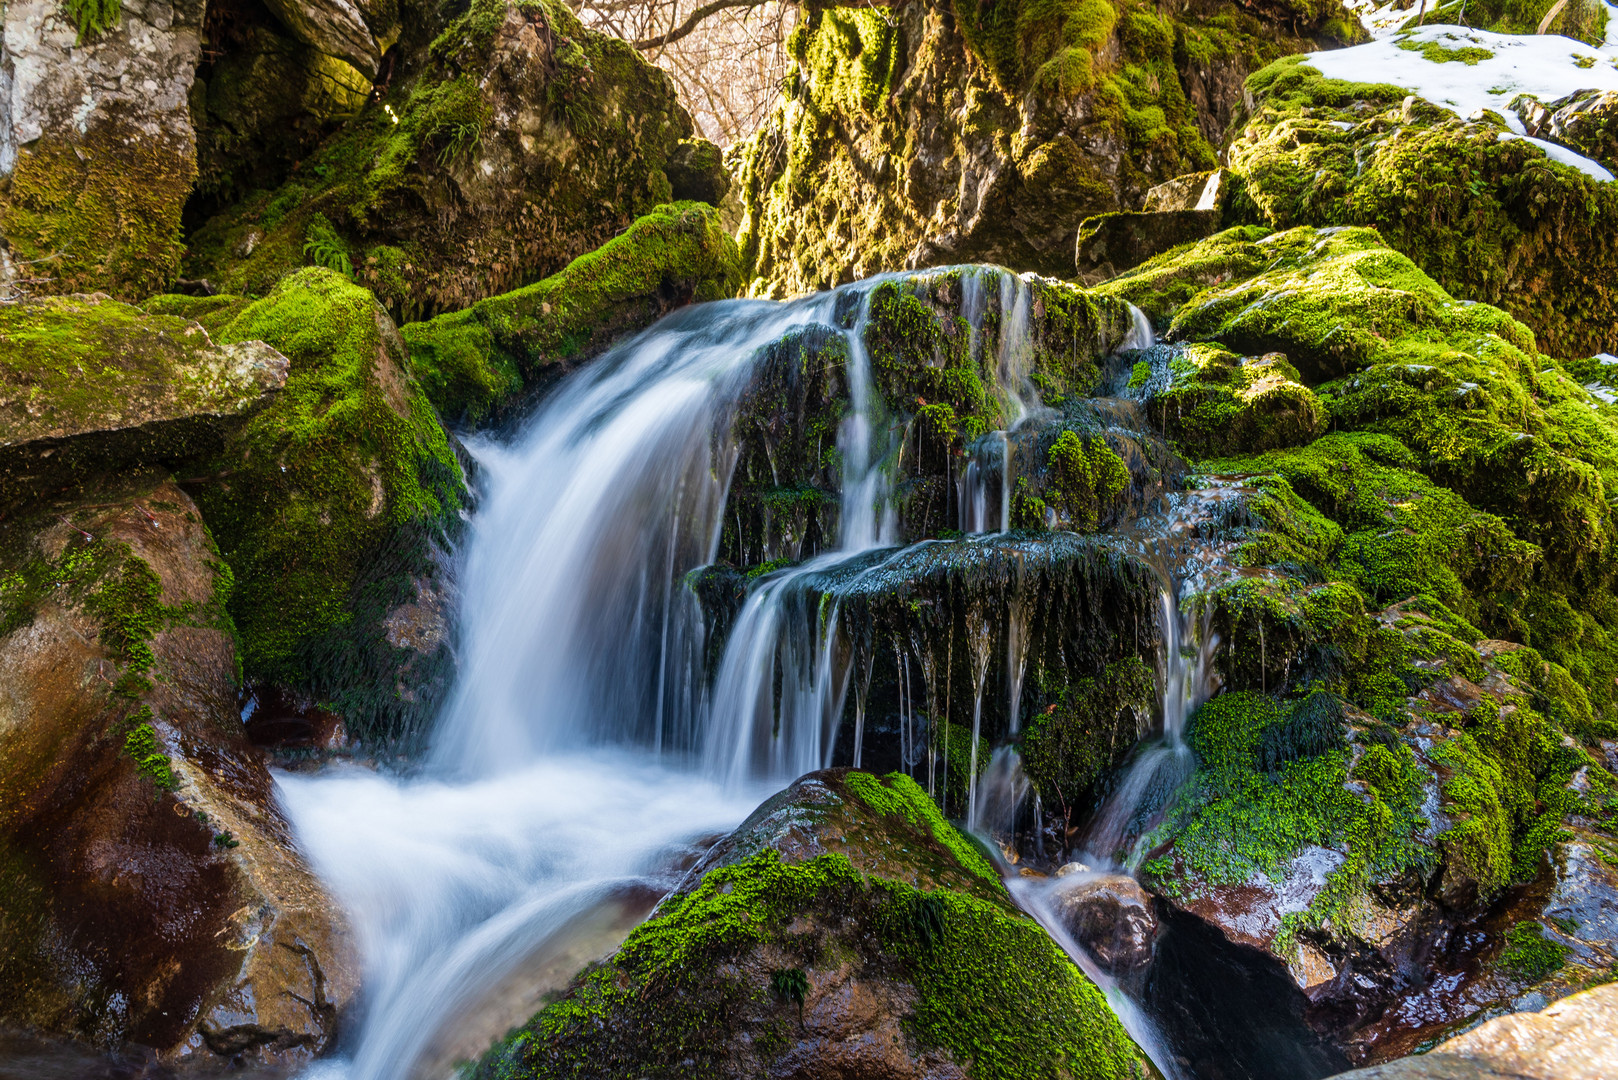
583,758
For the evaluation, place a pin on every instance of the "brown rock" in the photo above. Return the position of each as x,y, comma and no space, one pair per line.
1111,917
1109,244
154,894
1574,1039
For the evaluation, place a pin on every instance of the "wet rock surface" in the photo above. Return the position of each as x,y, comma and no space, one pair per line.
1112,917
1574,1039
154,892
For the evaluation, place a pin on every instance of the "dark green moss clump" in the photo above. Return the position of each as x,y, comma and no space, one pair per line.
745,965
331,507
474,361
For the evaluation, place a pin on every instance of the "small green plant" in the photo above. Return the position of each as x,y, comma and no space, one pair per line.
1140,375
324,247
460,138
142,745
926,919
225,840
1530,955
92,17
790,983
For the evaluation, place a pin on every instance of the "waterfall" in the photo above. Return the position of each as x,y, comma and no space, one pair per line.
1141,335
583,751
1159,769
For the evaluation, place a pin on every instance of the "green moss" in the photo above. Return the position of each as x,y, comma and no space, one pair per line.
991,990
151,759
1086,731
898,794
99,211
329,504
403,182
92,18
1436,52
474,361
1219,403
1327,152
1086,479
1530,955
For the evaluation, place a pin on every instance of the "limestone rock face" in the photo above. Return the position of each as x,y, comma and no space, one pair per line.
1574,1039
97,151
508,141
92,386
956,131
1585,121
154,893
845,929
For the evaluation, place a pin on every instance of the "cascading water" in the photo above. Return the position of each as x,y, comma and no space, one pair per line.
582,750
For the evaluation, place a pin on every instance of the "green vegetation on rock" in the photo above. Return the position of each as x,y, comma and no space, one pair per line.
333,504
474,361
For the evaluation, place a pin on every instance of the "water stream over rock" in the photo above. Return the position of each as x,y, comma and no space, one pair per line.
606,725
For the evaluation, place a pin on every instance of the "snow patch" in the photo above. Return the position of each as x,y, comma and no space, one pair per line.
1558,152
1547,66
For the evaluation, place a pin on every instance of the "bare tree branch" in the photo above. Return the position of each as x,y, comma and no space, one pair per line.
693,21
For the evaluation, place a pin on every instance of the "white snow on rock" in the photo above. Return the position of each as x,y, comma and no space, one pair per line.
1547,66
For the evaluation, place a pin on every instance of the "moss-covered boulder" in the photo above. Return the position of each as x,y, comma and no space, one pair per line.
958,131
97,153
334,507
1209,401
474,362
1110,243
153,894
1437,162
91,387
844,929
509,141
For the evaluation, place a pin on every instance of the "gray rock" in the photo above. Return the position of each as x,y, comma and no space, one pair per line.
1111,917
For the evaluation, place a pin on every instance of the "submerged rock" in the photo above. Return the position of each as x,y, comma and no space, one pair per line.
845,929
153,891
90,387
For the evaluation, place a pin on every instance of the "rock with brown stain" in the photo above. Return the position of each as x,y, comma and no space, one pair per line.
1574,1039
154,894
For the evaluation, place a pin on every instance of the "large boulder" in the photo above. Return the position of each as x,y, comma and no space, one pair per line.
845,929
97,151
335,508
956,131
91,387
507,141
1442,165
153,892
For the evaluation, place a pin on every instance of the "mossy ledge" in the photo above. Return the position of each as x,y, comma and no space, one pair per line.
476,361
844,884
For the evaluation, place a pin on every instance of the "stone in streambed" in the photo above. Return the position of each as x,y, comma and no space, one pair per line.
1112,917
844,930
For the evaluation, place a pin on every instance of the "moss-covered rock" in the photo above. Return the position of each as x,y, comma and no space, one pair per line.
1489,215
510,141
97,154
152,892
474,362
986,130
844,926
1214,401
334,507
91,387
1109,243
